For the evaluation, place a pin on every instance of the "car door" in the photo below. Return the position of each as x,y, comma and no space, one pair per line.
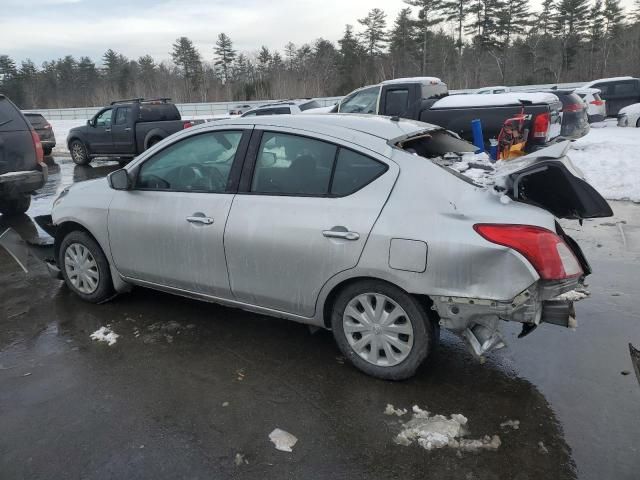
303,213
168,229
122,132
99,132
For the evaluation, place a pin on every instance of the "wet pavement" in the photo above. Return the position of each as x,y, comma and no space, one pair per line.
189,385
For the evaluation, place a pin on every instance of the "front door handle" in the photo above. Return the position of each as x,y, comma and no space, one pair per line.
107,130
128,129
201,220
341,232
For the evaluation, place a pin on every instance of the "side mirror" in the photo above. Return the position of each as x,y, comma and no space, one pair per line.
119,180
89,122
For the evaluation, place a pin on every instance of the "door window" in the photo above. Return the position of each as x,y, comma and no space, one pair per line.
104,119
200,163
397,101
293,165
353,171
364,101
625,89
122,114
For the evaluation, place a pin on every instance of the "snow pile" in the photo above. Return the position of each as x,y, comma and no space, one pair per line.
105,334
437,431
610,160
573,295
283,441
394,411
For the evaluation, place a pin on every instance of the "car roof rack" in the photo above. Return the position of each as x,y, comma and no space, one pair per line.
142,100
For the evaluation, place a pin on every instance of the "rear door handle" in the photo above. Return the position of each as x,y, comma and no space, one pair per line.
128,129
202,220
341,232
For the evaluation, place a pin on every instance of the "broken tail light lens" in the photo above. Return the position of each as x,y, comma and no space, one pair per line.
541,125
548,253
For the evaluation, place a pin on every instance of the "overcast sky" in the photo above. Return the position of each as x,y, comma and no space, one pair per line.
48,29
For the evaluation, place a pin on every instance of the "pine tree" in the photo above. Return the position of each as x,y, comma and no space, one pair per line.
595,34
428,15
484,23
402,46
350,61
546,17
635,13
290,53
374,36
570,24
225,55
456,11
187,59
87,77
613,17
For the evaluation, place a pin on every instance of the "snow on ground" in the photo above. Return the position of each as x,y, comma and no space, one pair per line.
105,334
609,157
283,440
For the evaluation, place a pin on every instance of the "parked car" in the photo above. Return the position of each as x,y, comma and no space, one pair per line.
426,99
350,222
618,92
240,109
575,120
492,90
124,129
285,107
22,170
44,130
629,116
596,108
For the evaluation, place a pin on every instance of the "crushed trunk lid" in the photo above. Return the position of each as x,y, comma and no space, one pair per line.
547,178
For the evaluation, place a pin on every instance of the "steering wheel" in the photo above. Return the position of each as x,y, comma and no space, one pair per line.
196,177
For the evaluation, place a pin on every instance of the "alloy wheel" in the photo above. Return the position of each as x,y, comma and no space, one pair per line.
378,329
81,268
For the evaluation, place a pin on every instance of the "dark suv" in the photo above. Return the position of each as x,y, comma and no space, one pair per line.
22,170
618,92
44,131
575,121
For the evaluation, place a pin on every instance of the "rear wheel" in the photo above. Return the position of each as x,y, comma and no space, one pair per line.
638,123
382,330
152,141
85,268
79,153
15,205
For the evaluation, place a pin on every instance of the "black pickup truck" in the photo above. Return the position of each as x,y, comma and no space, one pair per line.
427,99
124,129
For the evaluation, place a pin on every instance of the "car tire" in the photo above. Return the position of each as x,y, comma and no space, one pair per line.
638,123
15,205
152,141
411,328
79,153
88,276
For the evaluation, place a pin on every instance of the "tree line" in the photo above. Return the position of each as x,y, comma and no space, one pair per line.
467,43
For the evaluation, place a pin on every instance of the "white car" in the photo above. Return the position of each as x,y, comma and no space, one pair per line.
629,116
285,107
492,90
596,107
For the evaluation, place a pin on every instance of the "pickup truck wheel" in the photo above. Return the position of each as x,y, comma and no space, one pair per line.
79,153
382,330
153,141
15,205
85,268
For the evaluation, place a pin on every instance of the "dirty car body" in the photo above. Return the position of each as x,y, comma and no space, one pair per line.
351,222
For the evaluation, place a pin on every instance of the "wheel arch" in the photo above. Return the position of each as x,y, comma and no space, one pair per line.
153,134
79,138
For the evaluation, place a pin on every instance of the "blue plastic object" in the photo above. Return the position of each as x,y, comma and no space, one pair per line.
478,139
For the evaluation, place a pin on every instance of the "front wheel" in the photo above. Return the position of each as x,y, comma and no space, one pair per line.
79,153
85,268
15,205
382,330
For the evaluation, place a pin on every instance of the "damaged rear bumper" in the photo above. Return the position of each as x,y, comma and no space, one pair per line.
478,320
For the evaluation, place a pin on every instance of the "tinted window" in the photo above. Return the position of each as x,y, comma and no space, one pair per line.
625,88
156,112
122,114
104,118
397,101
274,111
605,88
200,163
354,171
364,101
308,105
293,165
36,120
10,118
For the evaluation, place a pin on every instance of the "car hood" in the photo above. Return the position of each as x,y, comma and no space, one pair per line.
547,178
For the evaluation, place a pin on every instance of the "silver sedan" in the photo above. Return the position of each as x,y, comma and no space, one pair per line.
359,224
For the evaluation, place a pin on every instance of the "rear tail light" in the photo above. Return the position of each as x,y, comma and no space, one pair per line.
186,125
548,253
573,107
38,146
541,125
597,102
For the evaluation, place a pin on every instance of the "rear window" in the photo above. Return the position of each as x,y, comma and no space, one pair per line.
35,119
10,118
156,112
308,105
626,88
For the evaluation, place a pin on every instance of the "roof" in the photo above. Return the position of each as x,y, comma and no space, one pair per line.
610,79
346,126
495,100
431,80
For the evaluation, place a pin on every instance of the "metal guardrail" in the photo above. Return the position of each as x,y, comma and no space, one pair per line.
186,109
